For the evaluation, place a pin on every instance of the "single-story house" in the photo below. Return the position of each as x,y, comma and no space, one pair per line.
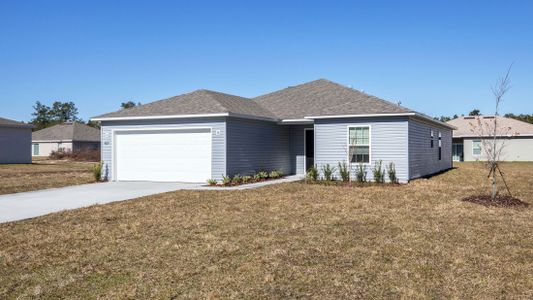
473,131
206,135
15,142
69,136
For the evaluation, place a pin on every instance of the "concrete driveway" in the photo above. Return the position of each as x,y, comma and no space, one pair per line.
26,205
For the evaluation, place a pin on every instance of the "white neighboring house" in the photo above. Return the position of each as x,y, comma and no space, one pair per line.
15,141
467,143
69,136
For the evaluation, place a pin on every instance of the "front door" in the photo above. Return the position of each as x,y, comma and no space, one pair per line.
309,148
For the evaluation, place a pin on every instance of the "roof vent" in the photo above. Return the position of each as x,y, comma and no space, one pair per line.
488,117
470,118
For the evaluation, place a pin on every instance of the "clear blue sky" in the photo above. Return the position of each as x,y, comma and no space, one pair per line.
439,58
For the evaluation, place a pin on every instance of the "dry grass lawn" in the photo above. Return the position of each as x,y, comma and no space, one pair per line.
283,241
43,174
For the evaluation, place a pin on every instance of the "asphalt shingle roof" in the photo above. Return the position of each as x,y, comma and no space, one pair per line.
323,97
68,131
316,98
11,123
466,126
197,102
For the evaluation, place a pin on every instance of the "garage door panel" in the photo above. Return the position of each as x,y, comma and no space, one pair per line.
164,155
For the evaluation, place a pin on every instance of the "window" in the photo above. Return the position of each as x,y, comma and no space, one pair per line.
35,149
476,147
440,146
359,144
431,139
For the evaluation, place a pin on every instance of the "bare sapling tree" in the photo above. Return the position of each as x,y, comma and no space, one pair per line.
493,135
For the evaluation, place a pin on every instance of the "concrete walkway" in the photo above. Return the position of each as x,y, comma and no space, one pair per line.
20,206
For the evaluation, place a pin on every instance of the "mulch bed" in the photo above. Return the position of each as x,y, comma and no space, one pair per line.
500,201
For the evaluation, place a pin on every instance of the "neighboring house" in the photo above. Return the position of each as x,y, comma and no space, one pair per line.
15,142
206,134
517,137
69,136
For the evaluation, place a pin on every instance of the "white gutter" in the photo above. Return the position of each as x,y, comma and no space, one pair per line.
409,114
361,116
161,117
295,121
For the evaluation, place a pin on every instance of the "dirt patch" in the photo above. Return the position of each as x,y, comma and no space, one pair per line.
500,201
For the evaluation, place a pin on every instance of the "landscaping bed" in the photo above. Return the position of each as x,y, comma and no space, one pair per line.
499,201
236,180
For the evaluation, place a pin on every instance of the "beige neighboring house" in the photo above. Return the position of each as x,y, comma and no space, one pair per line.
69,136
467,144
15,141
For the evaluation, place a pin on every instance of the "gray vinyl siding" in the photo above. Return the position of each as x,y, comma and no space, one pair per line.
388,142
218,167
424,160
254,145
297,148
15,145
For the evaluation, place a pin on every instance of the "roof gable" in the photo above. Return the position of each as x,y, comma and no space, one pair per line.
11,123
197,102
322,98
67,132
467,124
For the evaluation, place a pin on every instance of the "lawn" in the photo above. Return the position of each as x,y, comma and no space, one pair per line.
283,241
43,174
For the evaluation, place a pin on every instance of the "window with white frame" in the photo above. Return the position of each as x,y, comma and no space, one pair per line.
431,139
476,147
359,144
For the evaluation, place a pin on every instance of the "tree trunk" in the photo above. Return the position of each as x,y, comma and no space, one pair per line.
494,189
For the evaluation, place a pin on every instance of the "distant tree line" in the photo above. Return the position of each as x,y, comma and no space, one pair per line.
60,112
476,112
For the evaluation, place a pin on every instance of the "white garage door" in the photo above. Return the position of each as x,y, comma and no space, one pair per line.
163,155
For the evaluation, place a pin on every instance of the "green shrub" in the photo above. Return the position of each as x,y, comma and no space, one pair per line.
262,175
275,174
247,179
377,171
312,173
237,179
327,172
360,175
344,172
97,171
226,180
212,182
391,171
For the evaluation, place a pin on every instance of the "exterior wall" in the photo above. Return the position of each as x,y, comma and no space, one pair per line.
46,148
515,149
218,129
254,145
15,145
424,160
297,155
388,142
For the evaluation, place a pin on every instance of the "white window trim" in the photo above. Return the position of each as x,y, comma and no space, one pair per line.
480,148
369,163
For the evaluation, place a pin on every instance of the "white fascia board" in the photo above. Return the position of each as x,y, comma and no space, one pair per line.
52,141
409,114
361,116
296,121
161,117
